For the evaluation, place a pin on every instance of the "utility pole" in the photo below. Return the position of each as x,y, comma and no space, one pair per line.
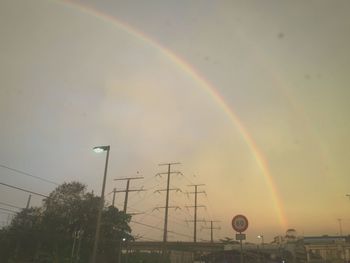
169,173
195,208
28,202
212,229
341,235
127,190
114,192
340,227
166,207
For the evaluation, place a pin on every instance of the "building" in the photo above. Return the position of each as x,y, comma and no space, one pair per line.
332,249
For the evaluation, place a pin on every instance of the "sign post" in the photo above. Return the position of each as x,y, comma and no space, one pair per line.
240,224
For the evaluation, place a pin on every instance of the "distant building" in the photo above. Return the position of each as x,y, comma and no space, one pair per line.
324,249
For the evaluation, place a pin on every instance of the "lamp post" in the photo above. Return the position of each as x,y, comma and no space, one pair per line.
100,149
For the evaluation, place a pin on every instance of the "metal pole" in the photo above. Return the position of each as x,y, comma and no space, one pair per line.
114,192
240,242
195,215
340,227
127,190
127,252
166,207
126,195
211,232
98,223
165,234
120,252
341,235
195,209
28,202
262,248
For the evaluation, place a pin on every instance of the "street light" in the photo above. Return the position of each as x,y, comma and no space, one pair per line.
100,149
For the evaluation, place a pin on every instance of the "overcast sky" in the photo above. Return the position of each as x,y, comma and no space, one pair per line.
76,75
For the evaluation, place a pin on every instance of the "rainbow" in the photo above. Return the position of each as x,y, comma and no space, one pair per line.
207,86
283,88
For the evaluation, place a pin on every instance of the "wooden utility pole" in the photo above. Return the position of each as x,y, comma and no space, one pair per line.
127,190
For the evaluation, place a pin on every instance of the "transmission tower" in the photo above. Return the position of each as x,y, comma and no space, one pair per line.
195,206
166,207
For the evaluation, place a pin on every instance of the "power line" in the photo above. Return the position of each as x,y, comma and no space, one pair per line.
210,207
8,210
143,224
148,239
13,206
146,196
179,234
28,174
212,229
148,213
160,229
24,190
127,190
146,231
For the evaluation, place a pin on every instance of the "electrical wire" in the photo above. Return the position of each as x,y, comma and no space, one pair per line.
148,239
160,229
28,174
8,210
172,219
143,224
24,190
13,206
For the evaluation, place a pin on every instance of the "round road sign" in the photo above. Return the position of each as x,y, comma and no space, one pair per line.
240,223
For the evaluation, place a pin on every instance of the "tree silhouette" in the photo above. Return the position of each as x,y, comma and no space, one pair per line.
63,229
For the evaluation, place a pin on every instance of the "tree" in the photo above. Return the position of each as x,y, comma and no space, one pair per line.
67,219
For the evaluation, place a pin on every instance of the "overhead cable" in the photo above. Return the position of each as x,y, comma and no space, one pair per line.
28,174
24,190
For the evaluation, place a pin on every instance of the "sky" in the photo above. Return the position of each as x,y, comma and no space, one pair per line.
251,97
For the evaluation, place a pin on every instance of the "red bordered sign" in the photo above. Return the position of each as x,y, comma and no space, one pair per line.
239,223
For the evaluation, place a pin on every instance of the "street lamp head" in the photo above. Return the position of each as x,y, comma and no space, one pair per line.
99,149
260,236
